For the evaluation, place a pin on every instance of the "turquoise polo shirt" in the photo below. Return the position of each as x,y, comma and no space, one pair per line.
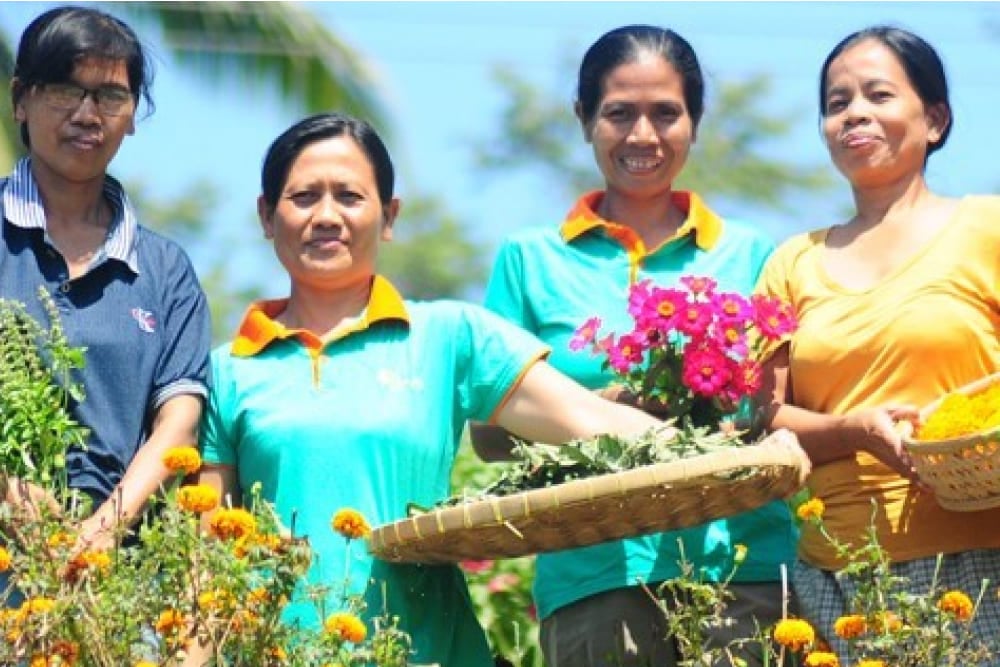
370,419
550,281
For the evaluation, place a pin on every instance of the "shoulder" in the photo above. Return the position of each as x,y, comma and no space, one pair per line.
792,252
531,238
155,248
981,206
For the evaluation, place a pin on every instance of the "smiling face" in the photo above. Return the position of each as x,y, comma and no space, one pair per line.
642,131
329,220
76,145
877,128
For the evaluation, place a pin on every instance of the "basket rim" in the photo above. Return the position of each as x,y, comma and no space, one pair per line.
777,450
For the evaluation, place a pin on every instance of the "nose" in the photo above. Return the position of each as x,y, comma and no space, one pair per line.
326,211
643,131
857,111
86,111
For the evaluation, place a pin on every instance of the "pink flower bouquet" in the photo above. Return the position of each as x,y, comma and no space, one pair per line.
692,349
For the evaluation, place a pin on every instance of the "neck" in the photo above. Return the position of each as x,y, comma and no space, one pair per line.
890,201
321,310
654,218
70,204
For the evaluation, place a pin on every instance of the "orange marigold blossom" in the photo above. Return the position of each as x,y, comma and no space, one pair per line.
145,663
345,626
351,524
170,621
811,509
957,604
959,415
232,523
184,459
822,659
5,560
794,633
850,626
871,663
60,539
36,606
197,498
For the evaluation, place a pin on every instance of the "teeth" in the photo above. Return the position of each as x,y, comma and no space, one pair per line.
640,163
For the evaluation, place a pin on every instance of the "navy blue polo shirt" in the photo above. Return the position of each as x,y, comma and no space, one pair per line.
138,310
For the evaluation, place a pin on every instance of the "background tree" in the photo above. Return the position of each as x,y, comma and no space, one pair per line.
730,158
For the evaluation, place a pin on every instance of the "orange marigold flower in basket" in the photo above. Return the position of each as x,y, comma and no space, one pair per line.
197,498
185,460
850,626
232,523
822,659
811,509
957,604
347,627
170,621
351,524
794,633
959,415
5,560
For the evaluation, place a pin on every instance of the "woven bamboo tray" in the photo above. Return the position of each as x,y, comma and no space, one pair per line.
963,472
654,498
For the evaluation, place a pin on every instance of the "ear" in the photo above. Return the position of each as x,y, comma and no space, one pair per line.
16,100
578,112
389,213
938,119
266,216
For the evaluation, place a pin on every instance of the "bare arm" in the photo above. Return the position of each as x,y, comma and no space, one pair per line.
827,438
175,424
549,407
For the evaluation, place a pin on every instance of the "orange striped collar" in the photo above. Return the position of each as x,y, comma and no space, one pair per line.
259,327
707,226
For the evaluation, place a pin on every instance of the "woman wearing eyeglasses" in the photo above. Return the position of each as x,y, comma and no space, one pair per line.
127,295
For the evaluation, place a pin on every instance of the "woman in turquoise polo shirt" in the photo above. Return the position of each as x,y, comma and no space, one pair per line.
345,395
639,100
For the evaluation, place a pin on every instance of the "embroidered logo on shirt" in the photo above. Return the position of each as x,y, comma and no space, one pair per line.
391,380
145,319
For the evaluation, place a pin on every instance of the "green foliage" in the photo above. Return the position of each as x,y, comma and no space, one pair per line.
431,255
177,587
36,387
541,465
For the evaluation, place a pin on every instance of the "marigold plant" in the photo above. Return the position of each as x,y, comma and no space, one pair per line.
351,524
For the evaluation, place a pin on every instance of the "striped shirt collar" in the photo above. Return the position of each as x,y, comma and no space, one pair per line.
705,224
22,206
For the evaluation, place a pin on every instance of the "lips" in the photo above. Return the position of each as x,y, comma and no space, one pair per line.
85,141
857,140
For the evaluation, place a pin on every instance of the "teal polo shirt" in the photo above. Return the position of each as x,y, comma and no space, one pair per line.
550,281
370,419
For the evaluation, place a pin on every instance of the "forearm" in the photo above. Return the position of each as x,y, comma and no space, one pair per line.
824,438
175,424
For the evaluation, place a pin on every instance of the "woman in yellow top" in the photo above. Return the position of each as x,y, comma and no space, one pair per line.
896,307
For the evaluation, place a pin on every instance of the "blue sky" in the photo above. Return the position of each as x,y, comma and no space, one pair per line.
433,62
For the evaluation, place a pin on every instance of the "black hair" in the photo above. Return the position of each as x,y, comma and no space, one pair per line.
53,44
920,61
290,143
625,45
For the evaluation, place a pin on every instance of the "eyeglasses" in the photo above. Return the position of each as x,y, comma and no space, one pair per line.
110,100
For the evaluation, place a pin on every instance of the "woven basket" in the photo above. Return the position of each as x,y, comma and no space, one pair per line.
653,498
963,472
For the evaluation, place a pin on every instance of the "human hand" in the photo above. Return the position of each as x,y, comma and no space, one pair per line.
877,431
619,394
28,497
96,534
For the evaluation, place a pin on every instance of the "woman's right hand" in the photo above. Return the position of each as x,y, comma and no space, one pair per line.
876,431
617,393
